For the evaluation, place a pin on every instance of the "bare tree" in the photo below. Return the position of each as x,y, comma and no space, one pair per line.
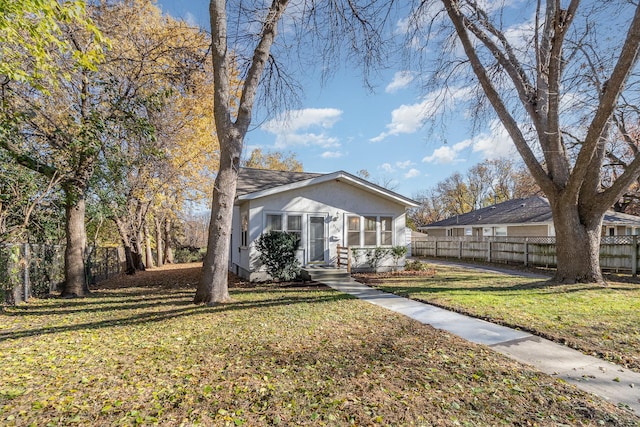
556,82
325,27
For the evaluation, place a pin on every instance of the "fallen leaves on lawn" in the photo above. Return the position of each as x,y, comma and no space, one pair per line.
145,355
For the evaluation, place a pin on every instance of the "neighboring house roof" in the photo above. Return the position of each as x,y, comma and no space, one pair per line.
534,209
256,183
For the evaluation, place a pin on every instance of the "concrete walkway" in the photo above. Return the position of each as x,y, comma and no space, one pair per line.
607,380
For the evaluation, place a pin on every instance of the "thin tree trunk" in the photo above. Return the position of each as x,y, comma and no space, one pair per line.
139,222
75,280
168,253
147,239
160,253
130,266
577,245
140,251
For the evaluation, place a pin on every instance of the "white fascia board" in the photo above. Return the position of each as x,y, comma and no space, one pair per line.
338,176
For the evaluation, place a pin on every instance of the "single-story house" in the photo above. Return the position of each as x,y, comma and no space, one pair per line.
325,210
529,217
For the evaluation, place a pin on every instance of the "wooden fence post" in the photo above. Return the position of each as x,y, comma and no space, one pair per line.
26,282
460,249
436,250
634,256
489,251
526,252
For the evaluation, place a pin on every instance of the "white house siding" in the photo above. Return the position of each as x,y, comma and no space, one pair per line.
334,201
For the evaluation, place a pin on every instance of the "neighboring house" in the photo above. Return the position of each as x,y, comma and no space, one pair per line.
530,217
324,210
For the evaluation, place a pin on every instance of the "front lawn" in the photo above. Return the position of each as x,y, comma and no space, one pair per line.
145,355
597,320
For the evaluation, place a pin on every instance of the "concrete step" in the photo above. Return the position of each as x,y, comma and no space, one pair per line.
324,274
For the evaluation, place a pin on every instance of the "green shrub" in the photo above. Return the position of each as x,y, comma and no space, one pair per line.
278,254
415,265
374,256
398,252
188,254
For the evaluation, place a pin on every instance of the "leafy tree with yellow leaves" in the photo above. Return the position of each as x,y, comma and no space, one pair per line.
274,160
146,180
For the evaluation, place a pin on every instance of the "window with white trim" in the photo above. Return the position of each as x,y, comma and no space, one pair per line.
274,222
386,231
353,231
294,226
369,230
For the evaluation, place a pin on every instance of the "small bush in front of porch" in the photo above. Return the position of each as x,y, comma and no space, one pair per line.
278,254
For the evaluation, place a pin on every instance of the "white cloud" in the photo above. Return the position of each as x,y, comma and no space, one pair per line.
497,144
331,154
447,154
404,165
412,173
492,145
401,79
304,127
387,167
410,118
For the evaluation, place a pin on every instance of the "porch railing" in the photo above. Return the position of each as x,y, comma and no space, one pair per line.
344,258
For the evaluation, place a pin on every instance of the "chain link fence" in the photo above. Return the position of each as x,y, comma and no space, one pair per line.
36,270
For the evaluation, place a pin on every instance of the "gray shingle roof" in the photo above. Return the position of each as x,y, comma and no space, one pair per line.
251,180
516,211
534,209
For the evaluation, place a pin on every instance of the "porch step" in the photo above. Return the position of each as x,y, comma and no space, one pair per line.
326,274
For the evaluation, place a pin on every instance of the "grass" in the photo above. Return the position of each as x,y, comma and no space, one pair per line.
600,321
145,355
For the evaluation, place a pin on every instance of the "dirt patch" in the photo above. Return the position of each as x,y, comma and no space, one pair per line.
179,276
170,276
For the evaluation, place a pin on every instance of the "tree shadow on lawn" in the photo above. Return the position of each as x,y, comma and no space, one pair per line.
186,308
448,284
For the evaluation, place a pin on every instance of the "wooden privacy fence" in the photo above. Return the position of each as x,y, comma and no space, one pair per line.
617,253
36,270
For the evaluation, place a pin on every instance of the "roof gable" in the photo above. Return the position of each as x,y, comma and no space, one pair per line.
256,183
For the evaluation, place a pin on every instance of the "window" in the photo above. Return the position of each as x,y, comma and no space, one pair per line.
274,222
294,226
386,231
369,230
501,231
245,230
353,231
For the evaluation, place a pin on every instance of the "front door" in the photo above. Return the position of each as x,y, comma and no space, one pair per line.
316,239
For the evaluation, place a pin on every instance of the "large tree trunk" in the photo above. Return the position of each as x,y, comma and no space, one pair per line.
577,245
213,287
75,280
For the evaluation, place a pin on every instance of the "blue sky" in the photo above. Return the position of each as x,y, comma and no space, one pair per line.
341,125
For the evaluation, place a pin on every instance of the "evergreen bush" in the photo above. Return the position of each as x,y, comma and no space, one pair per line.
278,254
